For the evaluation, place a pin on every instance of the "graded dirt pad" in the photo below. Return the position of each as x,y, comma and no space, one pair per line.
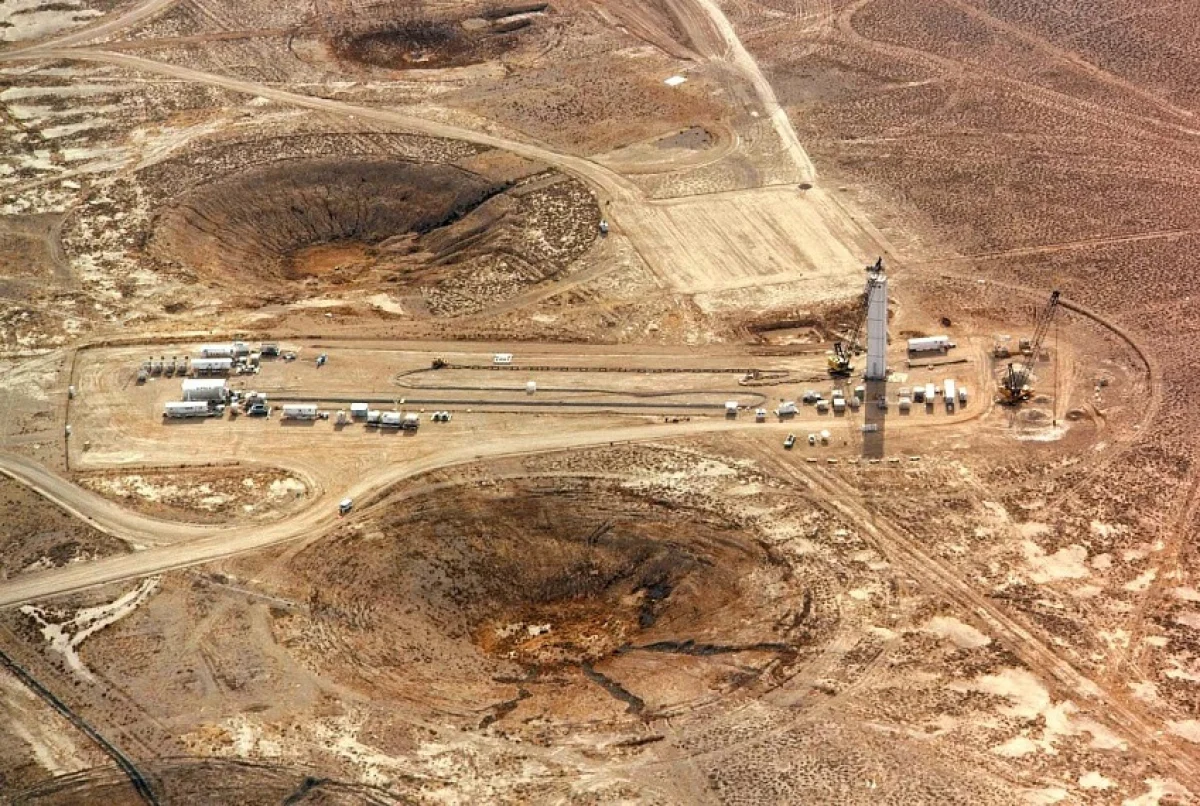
201,495
460,599
281,218
35,534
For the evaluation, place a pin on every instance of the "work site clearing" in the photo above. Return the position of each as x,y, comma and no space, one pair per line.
594,401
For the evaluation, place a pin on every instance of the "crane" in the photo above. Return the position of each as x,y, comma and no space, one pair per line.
845,350
1014,388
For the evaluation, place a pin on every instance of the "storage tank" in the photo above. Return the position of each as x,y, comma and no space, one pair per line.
391,419
216,350
299,411
411,422
374,417
204,389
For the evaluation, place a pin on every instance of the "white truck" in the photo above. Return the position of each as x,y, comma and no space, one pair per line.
299,411
191,408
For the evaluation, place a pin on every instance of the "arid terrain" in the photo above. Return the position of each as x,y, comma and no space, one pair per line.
500,495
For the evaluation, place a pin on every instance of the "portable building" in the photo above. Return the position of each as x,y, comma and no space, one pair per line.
786,408
359,410
216,350
760,415
839,404
731,408
204,389
905,403
930,394
948,393
930,344
187,408
918,394
502,358
299,411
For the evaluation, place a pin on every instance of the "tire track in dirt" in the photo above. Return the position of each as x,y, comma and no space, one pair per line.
1129,719
1061,246
1096,114
1072,59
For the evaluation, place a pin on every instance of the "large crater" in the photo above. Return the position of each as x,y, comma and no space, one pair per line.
406,37
441,226
580,598
265,220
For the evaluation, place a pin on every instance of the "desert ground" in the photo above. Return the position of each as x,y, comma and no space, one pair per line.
593,250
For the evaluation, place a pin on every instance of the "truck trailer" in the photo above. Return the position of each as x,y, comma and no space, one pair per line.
190,408
299,411
930,344
949,394
211,366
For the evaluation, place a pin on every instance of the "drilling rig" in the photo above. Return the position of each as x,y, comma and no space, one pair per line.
1014,387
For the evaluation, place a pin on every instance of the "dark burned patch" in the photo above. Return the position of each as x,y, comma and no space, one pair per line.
411,40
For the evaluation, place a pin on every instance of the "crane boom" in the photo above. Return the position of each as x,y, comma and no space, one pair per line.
1015,386
845,350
